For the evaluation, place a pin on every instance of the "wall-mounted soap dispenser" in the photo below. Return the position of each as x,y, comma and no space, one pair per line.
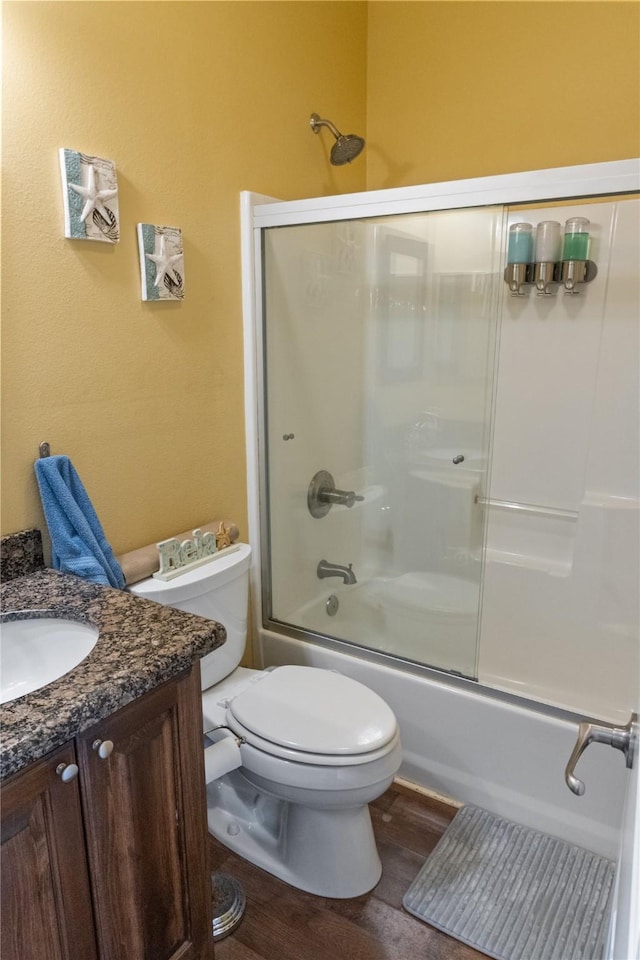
547,255
576,267
519,257
550,260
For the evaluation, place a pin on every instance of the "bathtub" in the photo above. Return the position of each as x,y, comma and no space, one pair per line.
390,614
467,743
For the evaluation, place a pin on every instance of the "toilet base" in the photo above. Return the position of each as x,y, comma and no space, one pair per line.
328,852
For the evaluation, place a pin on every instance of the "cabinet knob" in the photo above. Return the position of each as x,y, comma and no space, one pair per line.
104,748
67,771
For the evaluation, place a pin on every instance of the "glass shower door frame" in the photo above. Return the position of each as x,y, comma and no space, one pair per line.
260,212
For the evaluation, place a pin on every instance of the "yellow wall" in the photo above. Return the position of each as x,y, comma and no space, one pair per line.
194,102
477,88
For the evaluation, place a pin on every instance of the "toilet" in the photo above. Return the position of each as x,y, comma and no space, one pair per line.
293,754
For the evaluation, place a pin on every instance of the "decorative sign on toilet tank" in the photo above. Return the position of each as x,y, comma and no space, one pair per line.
177,557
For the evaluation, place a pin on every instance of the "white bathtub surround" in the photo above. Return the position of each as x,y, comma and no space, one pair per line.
550,505
561,587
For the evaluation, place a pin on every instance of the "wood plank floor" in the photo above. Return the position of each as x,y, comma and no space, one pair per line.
282,923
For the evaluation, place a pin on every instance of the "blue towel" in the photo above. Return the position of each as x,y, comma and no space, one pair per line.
77,539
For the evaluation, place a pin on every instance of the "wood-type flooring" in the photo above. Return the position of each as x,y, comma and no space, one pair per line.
281,923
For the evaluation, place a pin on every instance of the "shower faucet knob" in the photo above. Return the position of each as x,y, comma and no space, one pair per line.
322,495
346,498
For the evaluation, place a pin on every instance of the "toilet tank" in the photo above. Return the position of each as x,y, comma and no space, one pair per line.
217,590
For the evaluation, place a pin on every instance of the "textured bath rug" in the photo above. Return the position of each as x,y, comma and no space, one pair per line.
514,893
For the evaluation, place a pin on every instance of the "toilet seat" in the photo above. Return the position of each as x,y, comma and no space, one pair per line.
310,759
313,716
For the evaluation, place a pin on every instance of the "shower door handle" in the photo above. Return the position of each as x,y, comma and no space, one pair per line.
622,738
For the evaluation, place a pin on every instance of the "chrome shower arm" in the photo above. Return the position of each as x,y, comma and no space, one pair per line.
316,122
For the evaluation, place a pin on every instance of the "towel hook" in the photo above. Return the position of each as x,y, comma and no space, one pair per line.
45,449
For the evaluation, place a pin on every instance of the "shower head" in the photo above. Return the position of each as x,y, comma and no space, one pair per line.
347,146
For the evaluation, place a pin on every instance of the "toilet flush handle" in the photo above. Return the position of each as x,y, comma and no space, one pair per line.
621,738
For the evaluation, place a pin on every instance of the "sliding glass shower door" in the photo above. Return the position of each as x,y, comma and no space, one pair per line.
379,354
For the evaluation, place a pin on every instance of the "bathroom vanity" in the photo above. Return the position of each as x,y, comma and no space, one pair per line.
104,834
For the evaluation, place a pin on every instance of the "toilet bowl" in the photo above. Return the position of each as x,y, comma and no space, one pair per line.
313,747
317,748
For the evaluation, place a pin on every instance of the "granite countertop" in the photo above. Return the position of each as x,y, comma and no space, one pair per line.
141,644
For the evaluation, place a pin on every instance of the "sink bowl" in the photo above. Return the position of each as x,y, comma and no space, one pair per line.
36,651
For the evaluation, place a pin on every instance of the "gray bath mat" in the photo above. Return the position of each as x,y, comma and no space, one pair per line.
514,893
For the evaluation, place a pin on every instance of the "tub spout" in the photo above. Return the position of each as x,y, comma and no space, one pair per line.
326,569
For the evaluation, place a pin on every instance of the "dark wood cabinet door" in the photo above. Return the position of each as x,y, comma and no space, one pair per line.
46,900
145,821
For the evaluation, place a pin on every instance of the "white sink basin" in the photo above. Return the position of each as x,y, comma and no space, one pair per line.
39,650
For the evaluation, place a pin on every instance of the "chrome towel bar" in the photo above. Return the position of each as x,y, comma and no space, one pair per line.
528,508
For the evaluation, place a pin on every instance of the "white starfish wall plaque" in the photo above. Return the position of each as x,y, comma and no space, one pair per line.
162,247
164,261
94,197
90,193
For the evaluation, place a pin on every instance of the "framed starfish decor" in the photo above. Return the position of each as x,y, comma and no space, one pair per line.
90,196
161,262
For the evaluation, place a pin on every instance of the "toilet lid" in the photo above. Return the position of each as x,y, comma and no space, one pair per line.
315,711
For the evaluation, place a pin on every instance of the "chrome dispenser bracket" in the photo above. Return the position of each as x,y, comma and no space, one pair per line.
622,738
546,277
517,275
575,272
